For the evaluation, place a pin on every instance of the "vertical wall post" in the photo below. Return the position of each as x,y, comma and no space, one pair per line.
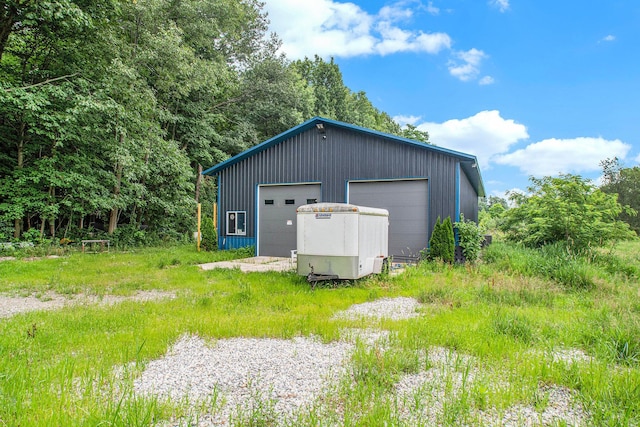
199,222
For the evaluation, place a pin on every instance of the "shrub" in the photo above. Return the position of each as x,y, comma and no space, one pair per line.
470,238
442,242
209,236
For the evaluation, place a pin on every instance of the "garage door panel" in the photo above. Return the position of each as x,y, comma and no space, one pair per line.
407,203
277,219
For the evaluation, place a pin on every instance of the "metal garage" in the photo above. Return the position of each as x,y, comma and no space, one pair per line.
277,216
408,204
414,181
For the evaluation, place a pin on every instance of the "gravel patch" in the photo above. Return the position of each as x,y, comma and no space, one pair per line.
570,356
12,305
369,337
384,308
561,409
280,376
423,396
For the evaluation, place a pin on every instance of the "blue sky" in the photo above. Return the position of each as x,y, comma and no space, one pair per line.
531,87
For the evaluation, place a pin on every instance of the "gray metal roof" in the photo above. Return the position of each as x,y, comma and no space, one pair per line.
468,162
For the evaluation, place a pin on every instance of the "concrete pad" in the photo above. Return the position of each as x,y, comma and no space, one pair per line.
259,263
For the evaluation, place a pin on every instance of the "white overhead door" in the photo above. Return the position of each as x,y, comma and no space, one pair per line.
407,203
277,216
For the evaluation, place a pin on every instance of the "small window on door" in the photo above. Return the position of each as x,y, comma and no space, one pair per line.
236,223
290,202
268,201
312,201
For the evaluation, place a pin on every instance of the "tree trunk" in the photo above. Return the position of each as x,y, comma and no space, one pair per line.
198,183
113,217
17,226
52,220
7,19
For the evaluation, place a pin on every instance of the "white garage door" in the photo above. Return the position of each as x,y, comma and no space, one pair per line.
407,203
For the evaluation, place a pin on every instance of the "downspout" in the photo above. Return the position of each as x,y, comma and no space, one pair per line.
457,204
220,216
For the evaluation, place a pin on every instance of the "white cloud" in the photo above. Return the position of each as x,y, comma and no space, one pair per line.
432,9
330,28
396,40
406,120
503,5
637,159
395,12
467,66
486,80
485,135
553,156
608,38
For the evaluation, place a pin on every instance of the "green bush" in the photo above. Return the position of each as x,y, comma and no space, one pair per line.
442,242
566,209
209,238
470,238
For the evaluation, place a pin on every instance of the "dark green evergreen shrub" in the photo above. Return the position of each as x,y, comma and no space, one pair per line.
442,242
209,236
449,245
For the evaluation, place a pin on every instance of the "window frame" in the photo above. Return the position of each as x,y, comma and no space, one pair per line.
236,231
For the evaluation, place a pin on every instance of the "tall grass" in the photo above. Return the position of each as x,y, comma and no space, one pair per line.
502,320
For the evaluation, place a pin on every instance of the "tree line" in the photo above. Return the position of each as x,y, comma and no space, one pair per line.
110,109
569,210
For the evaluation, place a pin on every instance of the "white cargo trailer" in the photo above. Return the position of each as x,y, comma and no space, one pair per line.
341,241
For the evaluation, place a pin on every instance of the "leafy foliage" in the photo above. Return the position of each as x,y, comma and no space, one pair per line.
109,110
470,237
491,212
625,182
442,242
565,209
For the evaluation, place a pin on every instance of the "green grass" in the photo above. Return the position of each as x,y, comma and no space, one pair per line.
56,367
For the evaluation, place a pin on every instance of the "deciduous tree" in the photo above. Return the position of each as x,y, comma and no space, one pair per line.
568,209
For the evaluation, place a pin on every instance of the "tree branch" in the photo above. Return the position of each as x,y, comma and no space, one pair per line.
42,83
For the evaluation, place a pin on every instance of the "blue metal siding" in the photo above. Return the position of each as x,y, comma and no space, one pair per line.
236,242
341,156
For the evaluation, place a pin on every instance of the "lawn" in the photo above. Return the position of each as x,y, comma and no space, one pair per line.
508,321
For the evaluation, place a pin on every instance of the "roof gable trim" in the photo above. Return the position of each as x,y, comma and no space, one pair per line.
319,120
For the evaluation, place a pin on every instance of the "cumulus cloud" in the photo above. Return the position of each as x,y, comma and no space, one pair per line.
484,135
553,156
394,39
502,5
608,38
406,120
466,64
330,28
637,159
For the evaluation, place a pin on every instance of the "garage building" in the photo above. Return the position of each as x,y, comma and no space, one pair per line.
323,160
